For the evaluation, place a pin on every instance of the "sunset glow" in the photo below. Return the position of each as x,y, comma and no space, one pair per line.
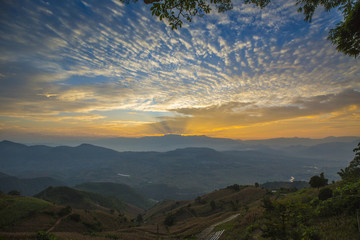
104,69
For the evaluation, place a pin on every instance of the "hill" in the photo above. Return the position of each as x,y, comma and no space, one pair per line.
27,186
15,208
120,191
295,185
235,212
74,198
186,172
21,217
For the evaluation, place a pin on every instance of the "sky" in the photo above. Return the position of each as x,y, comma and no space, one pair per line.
98,69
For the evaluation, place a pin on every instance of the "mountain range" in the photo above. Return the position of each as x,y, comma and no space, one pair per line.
181,173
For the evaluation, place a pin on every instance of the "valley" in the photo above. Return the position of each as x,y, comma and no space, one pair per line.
190,193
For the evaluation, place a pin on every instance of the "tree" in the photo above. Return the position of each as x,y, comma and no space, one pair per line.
41,235
353,170
346,35
318,181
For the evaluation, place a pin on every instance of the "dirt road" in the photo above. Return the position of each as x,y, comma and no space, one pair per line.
208,234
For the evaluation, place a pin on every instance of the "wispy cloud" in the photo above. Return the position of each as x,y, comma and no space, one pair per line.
78,57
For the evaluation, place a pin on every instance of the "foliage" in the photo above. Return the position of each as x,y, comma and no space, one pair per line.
352,172
79,199
169,220
75,217
298,217
235,187
318,181
15,208
112,236
139,218
345,200
199,200
346,35
286,220
325,193
94,227
65,211
41,235
213,205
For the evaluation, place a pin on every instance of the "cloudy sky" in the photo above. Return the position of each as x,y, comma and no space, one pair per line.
103,69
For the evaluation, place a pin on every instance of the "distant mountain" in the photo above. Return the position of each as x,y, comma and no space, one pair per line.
172,142
27,186
278,143
330,150
168,143
19,157
121,191
187,171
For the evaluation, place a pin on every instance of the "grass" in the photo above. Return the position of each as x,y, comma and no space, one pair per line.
191,217
15,208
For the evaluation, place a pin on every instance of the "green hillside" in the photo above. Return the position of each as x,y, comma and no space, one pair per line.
323,211
22,217
237,212
80,199
15,208
120,191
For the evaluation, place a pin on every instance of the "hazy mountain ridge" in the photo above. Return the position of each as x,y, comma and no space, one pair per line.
190,170
172,142
27,186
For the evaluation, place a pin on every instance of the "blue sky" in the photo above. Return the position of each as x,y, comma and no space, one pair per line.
104,69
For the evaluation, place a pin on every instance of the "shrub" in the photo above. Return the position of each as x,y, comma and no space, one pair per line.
41,235
325,194
235,187
75,217
112,236
318,181
199,200
213,205
65,211
94,227
169,220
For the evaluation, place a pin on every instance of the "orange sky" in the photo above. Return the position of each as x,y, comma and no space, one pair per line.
99,70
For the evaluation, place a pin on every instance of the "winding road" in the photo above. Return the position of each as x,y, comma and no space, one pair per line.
209,234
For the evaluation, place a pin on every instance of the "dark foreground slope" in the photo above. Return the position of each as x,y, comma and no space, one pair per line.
22,217
236,212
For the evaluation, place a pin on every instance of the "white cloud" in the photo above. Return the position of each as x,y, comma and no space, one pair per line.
122,60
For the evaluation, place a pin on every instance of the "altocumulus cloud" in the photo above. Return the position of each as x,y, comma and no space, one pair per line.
76,58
